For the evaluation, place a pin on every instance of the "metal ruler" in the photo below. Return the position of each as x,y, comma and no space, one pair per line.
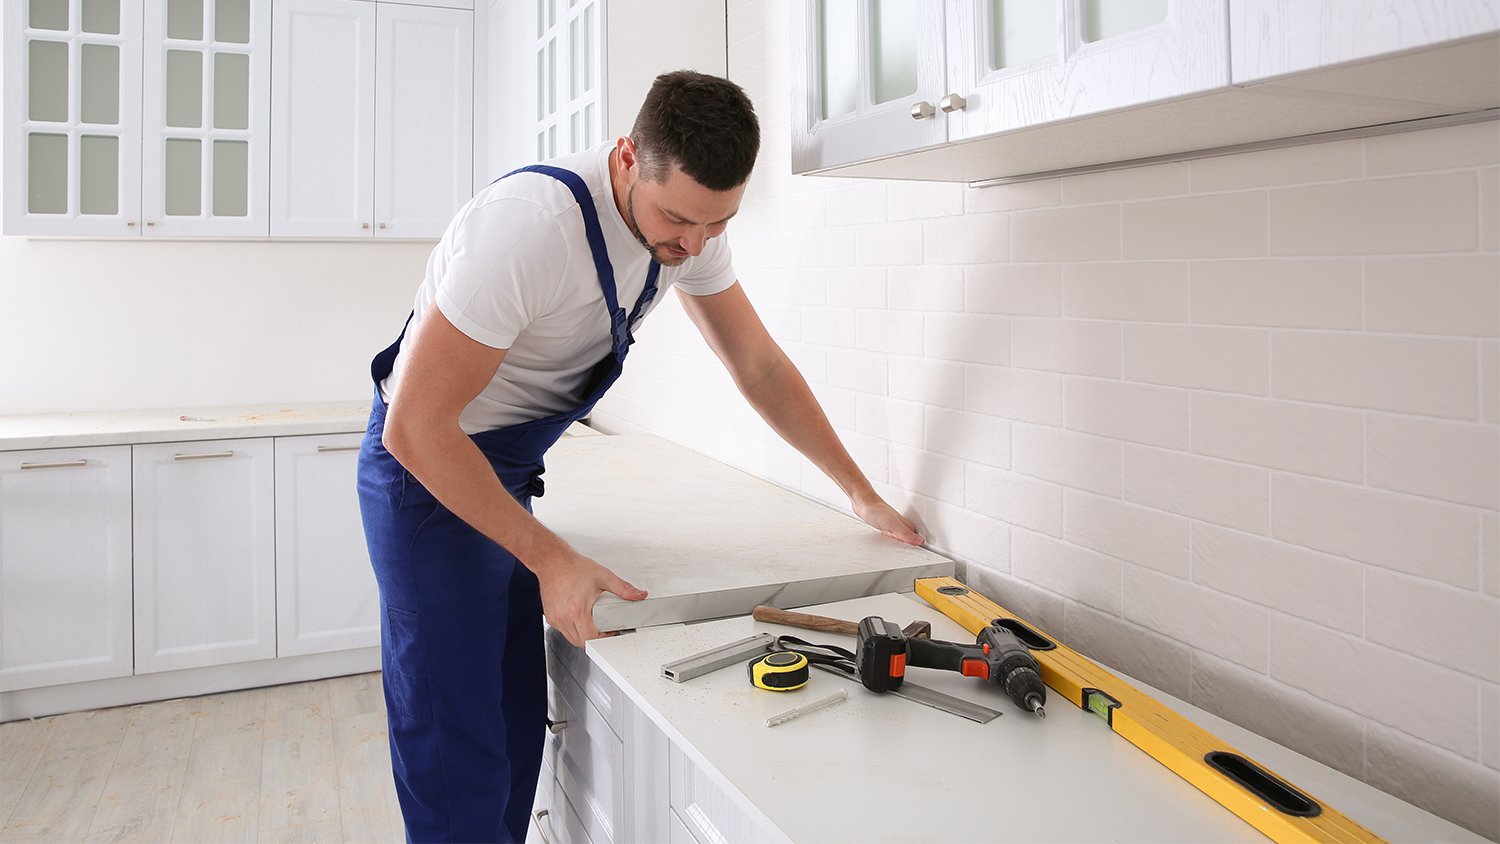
1267,802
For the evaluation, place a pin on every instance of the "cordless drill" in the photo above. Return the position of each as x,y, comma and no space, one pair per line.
883,653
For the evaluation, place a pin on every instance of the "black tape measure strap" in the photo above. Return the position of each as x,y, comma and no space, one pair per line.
778,671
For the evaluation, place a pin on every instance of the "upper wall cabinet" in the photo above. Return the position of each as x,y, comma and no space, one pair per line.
366,146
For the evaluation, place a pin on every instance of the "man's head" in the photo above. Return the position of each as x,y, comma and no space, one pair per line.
680,174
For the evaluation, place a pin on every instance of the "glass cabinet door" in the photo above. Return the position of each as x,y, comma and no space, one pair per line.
206,116
72,117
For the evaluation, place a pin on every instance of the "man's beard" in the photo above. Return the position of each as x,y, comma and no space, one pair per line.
658,252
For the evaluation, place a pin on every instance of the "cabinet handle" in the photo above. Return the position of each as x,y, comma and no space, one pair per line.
61,464
325,449
130,224
555,727
952,103
150,222
382,225
922,110
208,455
540,816
364,225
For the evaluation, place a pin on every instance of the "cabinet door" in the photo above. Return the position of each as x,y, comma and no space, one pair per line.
1018,63
204,554
424,118
866,79
64,566
326,598
206,114
72,117
323,137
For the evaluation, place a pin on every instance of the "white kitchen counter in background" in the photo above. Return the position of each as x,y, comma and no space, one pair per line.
162,425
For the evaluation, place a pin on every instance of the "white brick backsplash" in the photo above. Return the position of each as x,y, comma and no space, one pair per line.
939,288
856,287
1041,193
1017,499
1082,347
1453,461
861,201
1489,209
1403,374
818,248
1369,679
1397,532
1129,183
897,332
1330,734
1490,550
1489,380
1153,291
1454,295
1135,412
1457,789
919,200
871,454
977,239
1087,233
1068,570
930,382
1236,360
1318,587
888,244
1067,458
1018,289
967,534
927,474
1446,148
1040,609
1124,647
1279,292
860,371
832,327
1376,216
1224,225
1489,724
794,286
1014,393
972,338
969,436
1285,166
1225,494
1198,617
1139,535
1441,624
889,419
1303,438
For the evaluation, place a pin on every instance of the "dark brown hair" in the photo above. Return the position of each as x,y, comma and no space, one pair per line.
703,124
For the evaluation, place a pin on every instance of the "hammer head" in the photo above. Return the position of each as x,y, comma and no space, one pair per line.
918,630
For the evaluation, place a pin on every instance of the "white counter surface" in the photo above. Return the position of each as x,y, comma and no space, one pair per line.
124,427
880,768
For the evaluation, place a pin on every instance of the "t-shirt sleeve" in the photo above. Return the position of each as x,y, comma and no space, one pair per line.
502,271
711,272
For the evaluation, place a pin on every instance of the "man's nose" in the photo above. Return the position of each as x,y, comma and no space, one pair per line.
694,241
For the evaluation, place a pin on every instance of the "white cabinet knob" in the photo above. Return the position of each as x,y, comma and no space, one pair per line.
922,110
952,103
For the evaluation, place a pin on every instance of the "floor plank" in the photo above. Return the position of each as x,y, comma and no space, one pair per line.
140,797
367,795
299,780
63,793
22,744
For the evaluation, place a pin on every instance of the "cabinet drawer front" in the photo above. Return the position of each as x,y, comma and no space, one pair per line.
588,758
711,815
557,820
601,690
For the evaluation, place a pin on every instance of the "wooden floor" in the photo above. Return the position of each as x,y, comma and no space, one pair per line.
301,762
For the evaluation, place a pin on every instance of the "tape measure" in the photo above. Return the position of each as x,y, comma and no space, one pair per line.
780,671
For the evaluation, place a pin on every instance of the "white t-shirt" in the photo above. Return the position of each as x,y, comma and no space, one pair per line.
514,271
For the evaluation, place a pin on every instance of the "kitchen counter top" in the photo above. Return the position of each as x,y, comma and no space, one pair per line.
707,540
124,427
919,774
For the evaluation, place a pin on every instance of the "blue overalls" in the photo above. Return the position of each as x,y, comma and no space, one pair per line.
462,655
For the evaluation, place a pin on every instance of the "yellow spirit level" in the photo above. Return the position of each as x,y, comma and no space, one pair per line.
1278,809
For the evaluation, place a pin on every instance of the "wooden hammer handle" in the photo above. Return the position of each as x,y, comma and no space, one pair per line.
800,619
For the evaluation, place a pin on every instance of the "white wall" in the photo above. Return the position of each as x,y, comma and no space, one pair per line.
1230,425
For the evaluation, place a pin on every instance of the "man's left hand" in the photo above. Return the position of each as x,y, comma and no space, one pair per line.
874,512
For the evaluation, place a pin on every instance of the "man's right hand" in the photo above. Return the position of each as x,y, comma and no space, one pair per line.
570,586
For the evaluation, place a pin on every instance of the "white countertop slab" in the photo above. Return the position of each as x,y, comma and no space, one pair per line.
124,427
707,540
882,769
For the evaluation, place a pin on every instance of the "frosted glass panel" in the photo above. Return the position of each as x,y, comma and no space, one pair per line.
232,91
541,145
185,19
590,47
552,141
48,14
184,177
231,178
838,64
232,21
101,16
47,174
1109,18
541,84
99,101
184,88
541,18
575,55
1020,31
98,174
552,76
47,78
893,47
590,126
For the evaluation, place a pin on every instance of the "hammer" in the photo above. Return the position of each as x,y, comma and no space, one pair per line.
771,615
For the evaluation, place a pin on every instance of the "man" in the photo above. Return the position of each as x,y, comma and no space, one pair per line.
521,324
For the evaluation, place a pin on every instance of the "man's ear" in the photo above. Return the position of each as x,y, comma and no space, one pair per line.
625,154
